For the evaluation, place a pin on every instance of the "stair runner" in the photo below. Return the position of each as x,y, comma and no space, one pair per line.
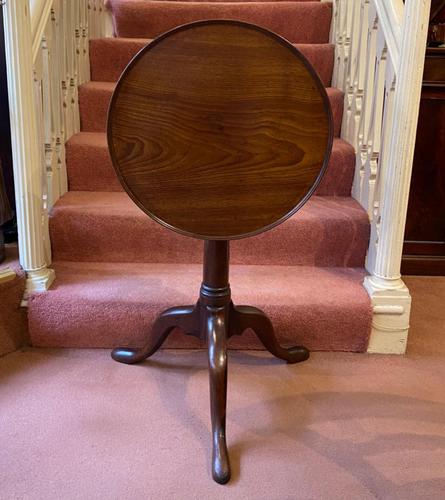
117,269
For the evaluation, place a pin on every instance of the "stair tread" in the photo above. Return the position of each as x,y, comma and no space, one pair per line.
122,50
90,169
106,304
94,99
108,226
102,86
299,22
110,86
119,203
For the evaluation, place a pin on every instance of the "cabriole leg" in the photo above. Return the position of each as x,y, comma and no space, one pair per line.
184,317
216,326
243,317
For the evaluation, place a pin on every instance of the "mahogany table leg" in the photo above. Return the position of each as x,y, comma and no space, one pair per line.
217,336
184,317
243,317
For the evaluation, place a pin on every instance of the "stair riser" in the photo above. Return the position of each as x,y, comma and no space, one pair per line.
298,22
107,309
318,236
94,101
89,169
121,51
339,175
134,322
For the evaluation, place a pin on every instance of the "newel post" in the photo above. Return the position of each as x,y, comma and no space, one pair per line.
390,297
29,174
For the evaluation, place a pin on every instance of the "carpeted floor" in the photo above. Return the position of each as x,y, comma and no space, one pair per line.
76,425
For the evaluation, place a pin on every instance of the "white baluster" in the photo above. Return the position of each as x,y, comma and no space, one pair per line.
345,26
68,126
375,129
46,120
85,59
363,139
56,55
107,21
390,85
72,57
94,18
337,40
359,74
350,71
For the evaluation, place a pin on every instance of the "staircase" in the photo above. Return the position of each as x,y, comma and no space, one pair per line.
308,273
116,269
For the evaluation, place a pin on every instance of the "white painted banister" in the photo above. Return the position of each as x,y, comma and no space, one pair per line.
385,254
380,50
27,154
47,53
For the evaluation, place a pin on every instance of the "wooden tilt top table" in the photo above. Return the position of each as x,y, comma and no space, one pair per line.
218,130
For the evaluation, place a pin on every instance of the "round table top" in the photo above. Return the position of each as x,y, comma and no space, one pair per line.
219,129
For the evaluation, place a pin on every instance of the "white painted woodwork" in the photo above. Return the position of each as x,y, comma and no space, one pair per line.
47,43
6,274
27,152
380,50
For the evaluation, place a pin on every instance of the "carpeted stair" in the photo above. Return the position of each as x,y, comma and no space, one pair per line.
116,268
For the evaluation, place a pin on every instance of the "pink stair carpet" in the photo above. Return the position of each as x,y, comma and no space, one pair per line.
89,166
321,56
298,22
116,268
94,99
109,227
124,300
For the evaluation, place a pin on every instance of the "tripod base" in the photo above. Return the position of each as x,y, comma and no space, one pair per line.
214,319
215,324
